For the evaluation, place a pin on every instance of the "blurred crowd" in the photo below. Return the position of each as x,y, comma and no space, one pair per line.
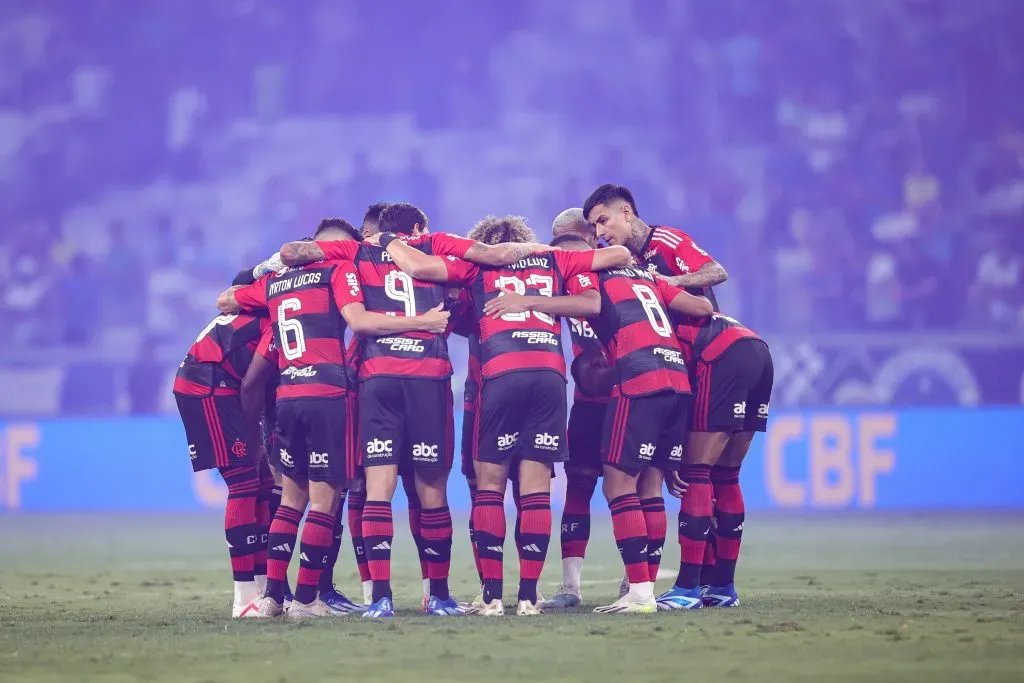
857,165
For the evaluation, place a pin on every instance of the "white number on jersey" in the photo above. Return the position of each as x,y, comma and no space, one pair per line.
652,307
284,326
399,287
544,283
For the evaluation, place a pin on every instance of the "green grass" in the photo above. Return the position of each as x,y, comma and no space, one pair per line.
825,598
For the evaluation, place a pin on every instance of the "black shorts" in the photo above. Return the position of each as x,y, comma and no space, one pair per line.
406,422
470,438
586,427
732,394
312,440
523,415
648,431
215,429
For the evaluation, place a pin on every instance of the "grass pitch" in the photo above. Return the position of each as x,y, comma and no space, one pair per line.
825,598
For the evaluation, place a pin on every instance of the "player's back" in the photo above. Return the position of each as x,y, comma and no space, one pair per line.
638,334
520,341
309,328
220,354
389,290
709,337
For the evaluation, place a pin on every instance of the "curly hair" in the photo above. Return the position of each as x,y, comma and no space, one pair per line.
494,230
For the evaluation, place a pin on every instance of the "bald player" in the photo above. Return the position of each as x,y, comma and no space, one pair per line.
573,222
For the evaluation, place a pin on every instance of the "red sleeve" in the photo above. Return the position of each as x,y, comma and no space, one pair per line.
345,285
444,244
459,271
266,346
668,292
253,297
687,257
584,282
573,263
342,250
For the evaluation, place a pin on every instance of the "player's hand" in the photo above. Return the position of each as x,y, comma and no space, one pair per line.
506,302
271,265
436,319
677,488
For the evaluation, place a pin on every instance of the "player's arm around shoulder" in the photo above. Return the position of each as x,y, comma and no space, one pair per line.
244,298
413,261
610,257
503,254
681,301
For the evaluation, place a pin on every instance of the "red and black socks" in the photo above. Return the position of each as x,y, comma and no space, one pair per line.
533,539
630,531
657,528
575,530
240,529
694,524
355,523
730,513
283,530
378,534
327,575
317,539
436,530
489,528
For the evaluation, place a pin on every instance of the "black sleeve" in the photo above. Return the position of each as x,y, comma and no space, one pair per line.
243,278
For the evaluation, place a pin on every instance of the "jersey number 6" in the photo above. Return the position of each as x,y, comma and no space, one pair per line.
284,326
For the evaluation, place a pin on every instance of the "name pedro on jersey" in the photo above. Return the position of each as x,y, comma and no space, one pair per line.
300,280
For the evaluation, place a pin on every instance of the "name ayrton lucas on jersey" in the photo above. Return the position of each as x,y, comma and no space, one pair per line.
288,282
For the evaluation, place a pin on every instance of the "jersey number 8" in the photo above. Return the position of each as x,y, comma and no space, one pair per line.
652,307
284,326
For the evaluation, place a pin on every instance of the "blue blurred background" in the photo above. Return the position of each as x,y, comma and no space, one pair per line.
856,165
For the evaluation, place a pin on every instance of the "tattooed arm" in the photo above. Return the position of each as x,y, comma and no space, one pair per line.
710,274
301,253
503,254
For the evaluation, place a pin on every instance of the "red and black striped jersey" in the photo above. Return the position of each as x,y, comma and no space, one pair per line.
443,244
464,323
670,251
637,333
305,307
221,354
708,338
388,290
584,340
522,341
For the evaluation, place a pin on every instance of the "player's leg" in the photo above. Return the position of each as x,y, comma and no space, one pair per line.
586,420
470,437
266,488
284,529
712,421
629,448
326,466
381,419
542,444
241,531
206,451
499,423
652,502
730,512
415,508
430,431
356,501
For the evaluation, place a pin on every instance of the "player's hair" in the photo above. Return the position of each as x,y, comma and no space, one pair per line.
589,380
570,239
401,218
608,193
371,219
571,221
494,230
336,224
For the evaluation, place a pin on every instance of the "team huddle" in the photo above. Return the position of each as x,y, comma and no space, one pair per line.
297,414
